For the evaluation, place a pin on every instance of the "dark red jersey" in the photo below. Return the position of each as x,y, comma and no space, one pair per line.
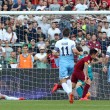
80,64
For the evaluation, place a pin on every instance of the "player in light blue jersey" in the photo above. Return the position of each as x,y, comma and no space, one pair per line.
65,49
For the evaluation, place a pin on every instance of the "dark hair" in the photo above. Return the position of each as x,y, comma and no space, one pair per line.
92,51
85,52
79,48
66,32
25,45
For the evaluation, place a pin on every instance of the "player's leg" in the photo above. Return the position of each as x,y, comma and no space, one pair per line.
56,87
70,71
81,76
2,96
63,76
74,82
79,88
86,87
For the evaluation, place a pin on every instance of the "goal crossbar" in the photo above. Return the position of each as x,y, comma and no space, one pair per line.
54,12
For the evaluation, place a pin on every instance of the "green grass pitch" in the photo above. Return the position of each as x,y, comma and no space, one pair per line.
54,105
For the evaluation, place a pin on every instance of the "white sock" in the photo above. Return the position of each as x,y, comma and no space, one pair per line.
10,98
66,88
69,83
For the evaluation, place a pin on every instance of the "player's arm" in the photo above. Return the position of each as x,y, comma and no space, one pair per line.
86,70
106,59
56,50
105,64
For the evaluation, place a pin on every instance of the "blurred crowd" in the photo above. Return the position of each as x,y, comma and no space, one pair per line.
41,32
54,5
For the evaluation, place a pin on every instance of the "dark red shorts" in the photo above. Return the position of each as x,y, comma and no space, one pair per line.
79,75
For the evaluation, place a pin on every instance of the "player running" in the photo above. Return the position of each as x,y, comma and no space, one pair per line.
5,97
65,48
81,72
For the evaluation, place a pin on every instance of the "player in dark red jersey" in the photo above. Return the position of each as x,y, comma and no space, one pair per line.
81,72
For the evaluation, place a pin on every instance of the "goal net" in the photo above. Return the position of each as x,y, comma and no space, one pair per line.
42,29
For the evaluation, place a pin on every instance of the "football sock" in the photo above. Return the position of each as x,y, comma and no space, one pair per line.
86,88
66,88
69,83
79,91
10,98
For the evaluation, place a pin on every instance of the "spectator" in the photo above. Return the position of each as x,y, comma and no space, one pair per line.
80,37
30,7
106,29
51,59
104,5
73,27
31,33
35,25
70,6
8,49
94,43
55,6
62,8
18,51
93,5
44,25
40,33
5,7
25,60
92,27
12,58
10,36
21,31
56,38
104,42
47,45
52,31
18,6
65,4
81,6
41,58
2,31
88,37
40,42
73,37
41,6
84,46
32,47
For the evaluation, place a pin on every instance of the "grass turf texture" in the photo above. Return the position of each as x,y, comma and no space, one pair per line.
54,105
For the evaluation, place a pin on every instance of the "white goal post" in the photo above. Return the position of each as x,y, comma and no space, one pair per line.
54,12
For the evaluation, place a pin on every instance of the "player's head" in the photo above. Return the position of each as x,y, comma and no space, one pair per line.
25,48
93,53
66,32
79,49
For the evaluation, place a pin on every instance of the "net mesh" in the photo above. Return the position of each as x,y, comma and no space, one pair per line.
36,31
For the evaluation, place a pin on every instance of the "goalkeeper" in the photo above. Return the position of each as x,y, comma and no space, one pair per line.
5,97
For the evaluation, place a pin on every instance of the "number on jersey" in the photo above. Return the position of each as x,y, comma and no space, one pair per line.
64,51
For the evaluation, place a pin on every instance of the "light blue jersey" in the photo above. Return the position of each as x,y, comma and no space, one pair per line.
65,47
